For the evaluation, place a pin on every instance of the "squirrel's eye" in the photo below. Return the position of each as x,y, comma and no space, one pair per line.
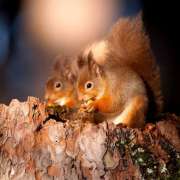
57,85
89,85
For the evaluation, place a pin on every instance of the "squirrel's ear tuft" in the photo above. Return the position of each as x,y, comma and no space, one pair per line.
80,61
138,20
59,62
139,16
93,66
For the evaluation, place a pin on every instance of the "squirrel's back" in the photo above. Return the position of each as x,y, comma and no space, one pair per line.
130,46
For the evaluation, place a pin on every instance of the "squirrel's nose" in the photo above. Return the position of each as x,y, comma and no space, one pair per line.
80,96
48,101
83,97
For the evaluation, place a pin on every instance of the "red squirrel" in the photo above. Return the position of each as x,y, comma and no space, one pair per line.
119,77
60,87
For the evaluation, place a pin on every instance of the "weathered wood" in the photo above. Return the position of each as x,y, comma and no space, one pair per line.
35,144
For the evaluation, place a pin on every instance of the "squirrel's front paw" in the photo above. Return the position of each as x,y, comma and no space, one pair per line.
87,106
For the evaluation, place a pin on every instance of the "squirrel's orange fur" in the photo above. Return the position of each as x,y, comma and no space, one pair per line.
120,76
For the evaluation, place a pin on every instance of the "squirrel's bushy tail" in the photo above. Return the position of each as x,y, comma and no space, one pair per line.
130,45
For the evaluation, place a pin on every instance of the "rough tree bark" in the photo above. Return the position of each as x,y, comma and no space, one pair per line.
59,144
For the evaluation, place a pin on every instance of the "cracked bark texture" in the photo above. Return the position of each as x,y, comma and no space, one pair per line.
35,145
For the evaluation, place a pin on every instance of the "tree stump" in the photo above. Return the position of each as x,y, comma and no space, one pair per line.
39,143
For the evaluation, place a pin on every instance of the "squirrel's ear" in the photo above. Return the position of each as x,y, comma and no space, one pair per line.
93,66
139,16
137,22
58,62
80,61
61,62
57,65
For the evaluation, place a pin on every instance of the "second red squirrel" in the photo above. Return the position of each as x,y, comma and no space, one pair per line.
60,87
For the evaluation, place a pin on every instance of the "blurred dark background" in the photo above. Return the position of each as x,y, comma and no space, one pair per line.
26,57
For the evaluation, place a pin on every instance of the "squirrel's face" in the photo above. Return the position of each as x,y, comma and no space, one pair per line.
60,88
90,83
89,86
61,92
